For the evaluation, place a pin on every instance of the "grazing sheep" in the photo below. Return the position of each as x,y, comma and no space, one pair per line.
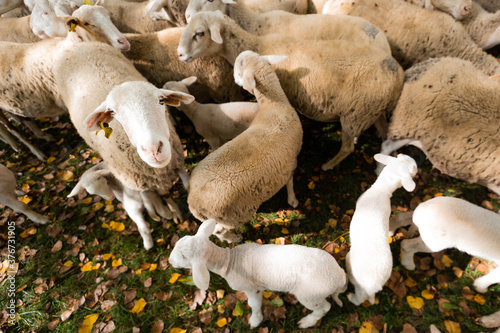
483,27
456,8
310,274
450,110
168,10
8,196
155,56
416,34
313,26
231,182
446,222
490,5
324,80
99,180
217,123
369,261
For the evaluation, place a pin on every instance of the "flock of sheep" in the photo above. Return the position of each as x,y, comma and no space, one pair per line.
419,63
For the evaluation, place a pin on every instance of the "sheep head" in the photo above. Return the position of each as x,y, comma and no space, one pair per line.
402,166
201,37
95,182
182,85
45,23
193,252
459,9
140,109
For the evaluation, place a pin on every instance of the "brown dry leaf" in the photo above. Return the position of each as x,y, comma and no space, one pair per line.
199,297
105,327
57,246
129,295
396,284
468,293
148,282
230,301
66,314
41,288
107,304
53,324
163,263
407,328
425,263
163,296
206,316
458,272
443,310
466,310
443,279
158,327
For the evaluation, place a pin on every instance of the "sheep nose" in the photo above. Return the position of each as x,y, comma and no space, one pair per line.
155,151
124,44
180,55
467,9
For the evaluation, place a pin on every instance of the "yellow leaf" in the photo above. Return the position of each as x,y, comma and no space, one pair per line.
10,164
427,294
90,267
67,175
30,182
308,202
97,206
285,231
117,226
28,232
153,267
177,330
267,294
117,263
105,225
452,327
88,2
438,195
479,299
446,261
410,283
88,323
25,188
390,240
311,185
415,302
109,208
68,263
108,256
138,272
139,306
220,293
366,327
221,322
349,211
26,199
174,277
51,159
87,201
458,272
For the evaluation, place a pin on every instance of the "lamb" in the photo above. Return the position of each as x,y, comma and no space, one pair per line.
483,27
231,182
459,9
369,261
169,10
313,26
217,123
446,222
310,274
412,41
8,196
99,180
155,56
450,110
324,80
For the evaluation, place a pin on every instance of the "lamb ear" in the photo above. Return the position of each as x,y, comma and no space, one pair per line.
215,29
273,59
189,80
99,115
206,228
201,275
174,98
408,184
71,22
76,190
382,158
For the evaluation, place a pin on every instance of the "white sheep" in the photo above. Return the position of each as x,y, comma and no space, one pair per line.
483,26
449,110
413,41
324,80
446,222
231,183
8,196
492,320
459,9
312,26
155,57
369,261
217,123
310,274
99,180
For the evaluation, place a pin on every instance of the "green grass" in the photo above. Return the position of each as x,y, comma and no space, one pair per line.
327,201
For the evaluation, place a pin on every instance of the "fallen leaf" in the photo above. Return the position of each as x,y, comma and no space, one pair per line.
427,294
53,324
57,246
177,330
138,306
116,263
238,309
148,282
267,294
410,283
415,302
199,297
117,226
452,327
174,277
88,323
206,316
479,299
97,206
221,322
158,327
407,328
446,261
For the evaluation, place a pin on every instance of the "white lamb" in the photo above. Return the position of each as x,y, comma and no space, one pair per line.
217,123
446,222
99,180
369,261
310,274
483,26
459,9
8,196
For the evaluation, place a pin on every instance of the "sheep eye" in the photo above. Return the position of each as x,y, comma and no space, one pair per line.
85,23
198,34
210,0
162,101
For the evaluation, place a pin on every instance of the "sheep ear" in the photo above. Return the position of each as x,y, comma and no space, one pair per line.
174,98
206,228
71,22
189,80
382,158
76,190
495,77
201,275
215,29
408,184
99,115
273,59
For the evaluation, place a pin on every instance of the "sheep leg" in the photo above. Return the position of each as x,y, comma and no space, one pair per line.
33,128
319,308
225,235
153,204
490,321
13,131
346,148
19,206
184,178
255,303
176,212
494,188
481,284
8,139
360,295
408,249
292,199
400,220
134,209
301,6
382,126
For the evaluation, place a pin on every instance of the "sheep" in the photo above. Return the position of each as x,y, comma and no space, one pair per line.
449,110
324,80
492,320
447,222
8,196
255,6
217,123
313,26
369,261
483,27
155,56
411,39
459,9
169,10
231,182
490,5
99,180
310,274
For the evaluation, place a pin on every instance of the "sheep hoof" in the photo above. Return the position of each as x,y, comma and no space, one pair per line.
255,321
326,167
307,321
294,203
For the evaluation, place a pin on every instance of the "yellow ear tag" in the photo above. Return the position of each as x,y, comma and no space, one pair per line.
105,127
88,2
72,27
